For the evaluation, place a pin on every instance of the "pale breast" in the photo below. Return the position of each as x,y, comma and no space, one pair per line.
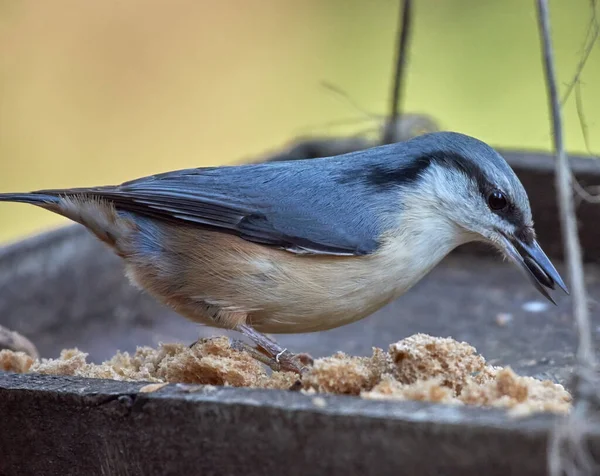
280,292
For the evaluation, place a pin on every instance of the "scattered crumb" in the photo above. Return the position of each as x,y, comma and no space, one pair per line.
347,375
419,367
319,402
523,395
446,371
72,362
210,361
422,357
189,388
152,387
430,390
18,362
503,319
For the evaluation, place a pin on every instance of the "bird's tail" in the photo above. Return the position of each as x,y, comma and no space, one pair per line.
99,216
34,198
57,201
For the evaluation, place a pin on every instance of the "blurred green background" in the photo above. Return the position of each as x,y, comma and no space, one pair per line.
101,92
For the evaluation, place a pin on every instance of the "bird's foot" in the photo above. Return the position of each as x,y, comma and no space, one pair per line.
284,361
287,361
272,354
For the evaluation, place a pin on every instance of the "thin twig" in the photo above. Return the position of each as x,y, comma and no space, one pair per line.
583,192
566,451
591,37
404,27
582,121
346,97
585,354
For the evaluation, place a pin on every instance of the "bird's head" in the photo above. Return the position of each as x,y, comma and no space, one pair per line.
467,182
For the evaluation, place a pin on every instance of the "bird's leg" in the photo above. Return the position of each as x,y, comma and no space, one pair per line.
272,354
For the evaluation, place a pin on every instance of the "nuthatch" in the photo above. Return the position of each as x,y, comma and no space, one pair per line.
308,245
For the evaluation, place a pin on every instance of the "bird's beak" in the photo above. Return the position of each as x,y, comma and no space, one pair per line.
532,260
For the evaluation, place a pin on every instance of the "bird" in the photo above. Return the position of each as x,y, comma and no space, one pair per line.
309,245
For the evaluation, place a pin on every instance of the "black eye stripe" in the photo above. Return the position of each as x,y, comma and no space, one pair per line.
383,176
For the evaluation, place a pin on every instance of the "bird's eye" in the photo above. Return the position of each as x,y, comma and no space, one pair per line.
497,200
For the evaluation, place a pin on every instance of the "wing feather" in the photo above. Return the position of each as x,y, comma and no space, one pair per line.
295,206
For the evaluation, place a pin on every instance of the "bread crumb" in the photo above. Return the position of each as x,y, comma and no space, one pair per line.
523,395
420,367
319,402
445,371
422,357
152,387
503,319
347,375
430,390
11,361
70,362
209,362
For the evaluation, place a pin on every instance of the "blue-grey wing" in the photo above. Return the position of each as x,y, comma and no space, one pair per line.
301,206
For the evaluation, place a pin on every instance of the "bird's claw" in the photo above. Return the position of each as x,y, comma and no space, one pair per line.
283,361
279,355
